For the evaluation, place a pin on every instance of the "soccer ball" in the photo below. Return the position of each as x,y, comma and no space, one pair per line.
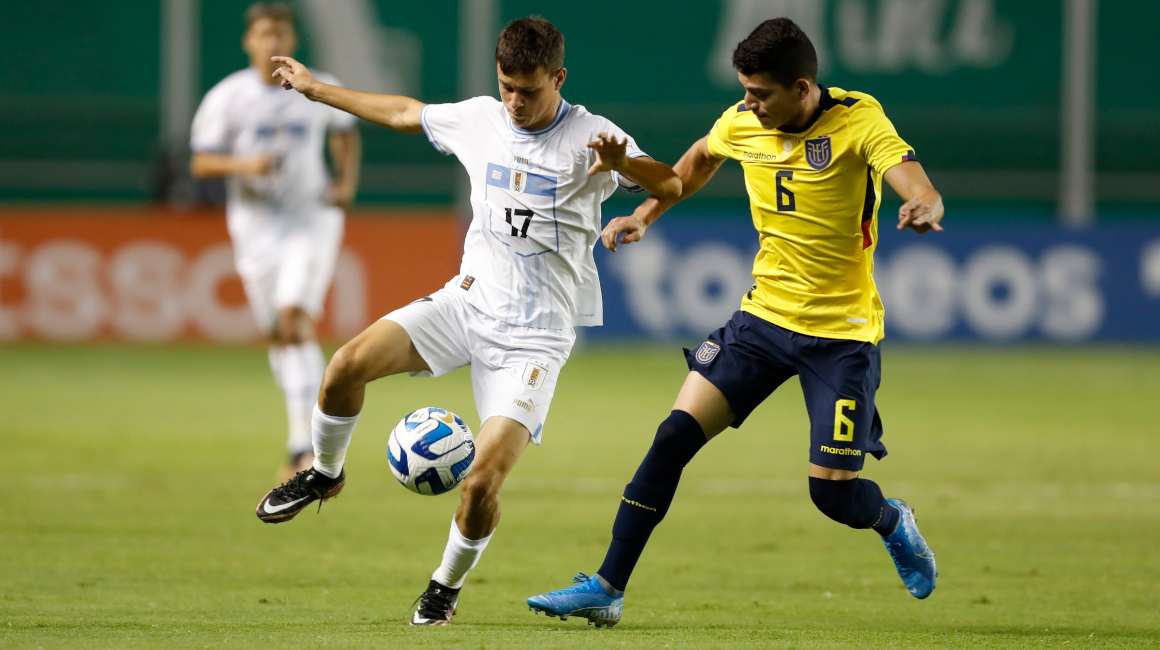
431,451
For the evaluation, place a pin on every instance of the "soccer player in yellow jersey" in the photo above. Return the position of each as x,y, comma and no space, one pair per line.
814,161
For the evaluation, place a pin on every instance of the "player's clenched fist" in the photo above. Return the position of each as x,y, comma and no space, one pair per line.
623,230
294,75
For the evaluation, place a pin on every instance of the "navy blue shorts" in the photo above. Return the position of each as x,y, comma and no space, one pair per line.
750,357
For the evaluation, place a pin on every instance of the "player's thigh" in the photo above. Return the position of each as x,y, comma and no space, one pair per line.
706,403
307,261
381,350
255,244
517,385
839,382
738,367
437,327
259,280
498,447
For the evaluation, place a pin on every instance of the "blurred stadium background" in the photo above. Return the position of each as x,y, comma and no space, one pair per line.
1020,383
1031,118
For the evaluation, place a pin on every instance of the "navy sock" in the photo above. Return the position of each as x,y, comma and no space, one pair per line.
647,498
858,503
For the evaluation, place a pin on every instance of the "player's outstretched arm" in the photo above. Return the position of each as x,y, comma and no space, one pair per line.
923,207
611,155
694,169
392,111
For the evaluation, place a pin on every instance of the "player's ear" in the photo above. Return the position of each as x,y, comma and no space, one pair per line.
803,88
561,74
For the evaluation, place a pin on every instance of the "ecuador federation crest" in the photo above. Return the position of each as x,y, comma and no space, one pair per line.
819,152
707,352
518,182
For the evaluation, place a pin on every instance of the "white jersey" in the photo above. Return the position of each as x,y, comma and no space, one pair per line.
527,259
242,116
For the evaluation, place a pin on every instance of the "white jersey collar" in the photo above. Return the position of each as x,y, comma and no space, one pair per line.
561,113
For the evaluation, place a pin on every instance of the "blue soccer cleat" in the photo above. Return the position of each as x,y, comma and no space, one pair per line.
585,599
912,557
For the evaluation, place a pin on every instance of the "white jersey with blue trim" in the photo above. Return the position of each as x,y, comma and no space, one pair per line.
243,116
528,258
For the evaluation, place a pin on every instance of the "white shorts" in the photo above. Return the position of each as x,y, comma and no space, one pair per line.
285,261
513,369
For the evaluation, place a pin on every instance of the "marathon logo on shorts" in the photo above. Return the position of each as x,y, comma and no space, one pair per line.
468,280
841,451
707,352
534,375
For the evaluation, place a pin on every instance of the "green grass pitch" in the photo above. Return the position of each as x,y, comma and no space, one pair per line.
130,477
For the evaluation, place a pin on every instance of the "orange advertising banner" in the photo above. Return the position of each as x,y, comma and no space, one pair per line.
155,275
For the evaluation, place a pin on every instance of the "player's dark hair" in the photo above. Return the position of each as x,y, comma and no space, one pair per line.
528,44
277,11
780,49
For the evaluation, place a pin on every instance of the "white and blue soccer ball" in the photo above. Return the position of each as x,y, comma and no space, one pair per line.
431,451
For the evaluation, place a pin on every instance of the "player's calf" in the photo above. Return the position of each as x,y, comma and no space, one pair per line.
858,503
647,498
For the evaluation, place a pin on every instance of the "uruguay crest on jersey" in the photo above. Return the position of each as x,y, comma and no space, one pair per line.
519,181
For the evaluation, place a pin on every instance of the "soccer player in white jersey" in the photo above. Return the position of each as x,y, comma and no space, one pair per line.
284,212
539,169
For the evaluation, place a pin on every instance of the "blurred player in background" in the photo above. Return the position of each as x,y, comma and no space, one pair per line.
814,160
539,170
285,213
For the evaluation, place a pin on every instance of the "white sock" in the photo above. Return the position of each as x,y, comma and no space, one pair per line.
460,556
300,370
331,438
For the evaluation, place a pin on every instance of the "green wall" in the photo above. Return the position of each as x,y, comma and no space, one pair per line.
80,81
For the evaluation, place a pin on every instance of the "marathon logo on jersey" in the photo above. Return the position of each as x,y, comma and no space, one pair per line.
468,280
707,352
819,152
535,373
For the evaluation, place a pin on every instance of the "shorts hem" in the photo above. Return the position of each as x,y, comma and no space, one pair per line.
435,369
534,424
834,463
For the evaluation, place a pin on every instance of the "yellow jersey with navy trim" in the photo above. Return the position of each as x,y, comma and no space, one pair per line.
814,194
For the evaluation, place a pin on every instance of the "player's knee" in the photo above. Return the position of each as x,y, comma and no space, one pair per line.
294,327
840,501
346,369
678,439
479,489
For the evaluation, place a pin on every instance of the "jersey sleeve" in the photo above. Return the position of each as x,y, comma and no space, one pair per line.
336,120
446,125
632,151
211,130
875,138
720,140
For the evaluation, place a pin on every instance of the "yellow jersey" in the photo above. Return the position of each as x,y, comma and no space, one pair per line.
814,194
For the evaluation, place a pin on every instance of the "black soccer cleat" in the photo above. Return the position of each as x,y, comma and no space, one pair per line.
290,498
436,605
